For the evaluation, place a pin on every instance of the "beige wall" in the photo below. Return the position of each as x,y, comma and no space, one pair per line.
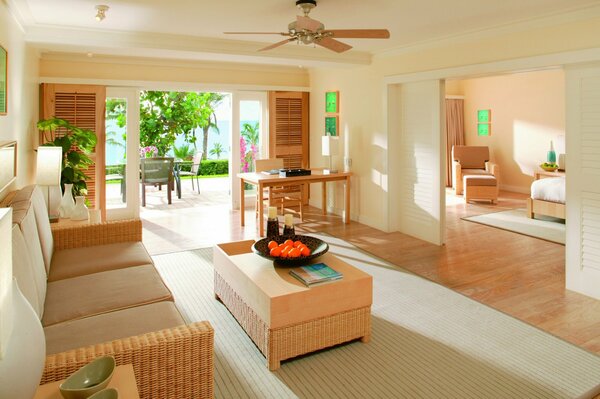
528,111
362,98
19,123
135,69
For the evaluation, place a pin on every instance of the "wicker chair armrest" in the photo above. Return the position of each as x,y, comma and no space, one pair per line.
97,234
175,363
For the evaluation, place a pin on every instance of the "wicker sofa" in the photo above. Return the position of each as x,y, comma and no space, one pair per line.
97,292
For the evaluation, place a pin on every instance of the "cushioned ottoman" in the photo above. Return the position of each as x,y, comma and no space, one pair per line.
480,187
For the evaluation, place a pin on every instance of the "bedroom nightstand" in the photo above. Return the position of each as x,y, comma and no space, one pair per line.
540,173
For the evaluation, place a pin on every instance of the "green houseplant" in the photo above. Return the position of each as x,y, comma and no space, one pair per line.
77,143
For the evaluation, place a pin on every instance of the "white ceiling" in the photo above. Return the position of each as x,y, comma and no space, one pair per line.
193,29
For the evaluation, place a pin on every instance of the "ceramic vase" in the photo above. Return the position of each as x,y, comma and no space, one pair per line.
80,212
67,203
551,157
22,365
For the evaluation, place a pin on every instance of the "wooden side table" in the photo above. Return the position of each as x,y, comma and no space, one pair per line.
541,173
123,380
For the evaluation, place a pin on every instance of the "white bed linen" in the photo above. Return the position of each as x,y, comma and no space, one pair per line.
549,189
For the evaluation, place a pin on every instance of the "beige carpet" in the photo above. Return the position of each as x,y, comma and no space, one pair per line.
516,220
427,342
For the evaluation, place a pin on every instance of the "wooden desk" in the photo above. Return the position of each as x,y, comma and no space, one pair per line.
541,173
261,181
123,380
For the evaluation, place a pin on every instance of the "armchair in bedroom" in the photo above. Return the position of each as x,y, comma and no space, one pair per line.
474,174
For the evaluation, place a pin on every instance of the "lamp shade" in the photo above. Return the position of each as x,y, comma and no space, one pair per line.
329,146
49,166
6,309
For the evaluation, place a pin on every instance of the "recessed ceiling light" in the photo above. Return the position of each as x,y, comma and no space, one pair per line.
101,14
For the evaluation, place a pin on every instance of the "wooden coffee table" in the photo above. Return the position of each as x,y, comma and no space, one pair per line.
282,316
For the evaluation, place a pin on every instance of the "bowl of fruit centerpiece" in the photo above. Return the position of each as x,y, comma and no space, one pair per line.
290,250
549,166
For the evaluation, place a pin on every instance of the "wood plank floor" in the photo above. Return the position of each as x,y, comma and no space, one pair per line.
519,275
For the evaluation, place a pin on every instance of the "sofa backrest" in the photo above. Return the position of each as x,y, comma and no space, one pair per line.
32,282
23,216
471,157
34,196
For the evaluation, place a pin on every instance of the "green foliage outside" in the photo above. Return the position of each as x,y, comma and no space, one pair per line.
77,144
217,150
183,153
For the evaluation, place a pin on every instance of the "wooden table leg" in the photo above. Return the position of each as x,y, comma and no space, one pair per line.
242,203
324,197
347,201
261,222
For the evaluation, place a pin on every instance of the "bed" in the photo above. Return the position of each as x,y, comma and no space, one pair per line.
547,197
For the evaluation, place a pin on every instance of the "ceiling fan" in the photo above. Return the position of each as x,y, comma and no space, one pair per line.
310,31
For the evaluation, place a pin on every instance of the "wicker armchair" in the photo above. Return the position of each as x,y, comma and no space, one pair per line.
174,363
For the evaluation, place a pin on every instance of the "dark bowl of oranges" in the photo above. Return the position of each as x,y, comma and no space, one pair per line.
290,250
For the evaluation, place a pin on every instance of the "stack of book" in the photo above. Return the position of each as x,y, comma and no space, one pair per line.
315,274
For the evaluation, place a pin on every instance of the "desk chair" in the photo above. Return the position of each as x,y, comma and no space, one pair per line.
279,196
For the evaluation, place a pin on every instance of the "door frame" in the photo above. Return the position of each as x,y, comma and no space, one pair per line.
132,206
234,164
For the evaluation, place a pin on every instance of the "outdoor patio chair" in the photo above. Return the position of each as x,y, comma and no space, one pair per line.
156,172
194,172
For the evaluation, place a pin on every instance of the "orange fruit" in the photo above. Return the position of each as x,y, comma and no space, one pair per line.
305,251
298,244
289,242
294,253
275,251
272,244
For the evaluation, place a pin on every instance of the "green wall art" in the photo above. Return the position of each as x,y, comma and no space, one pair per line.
332,102
484,122
3,81
331,125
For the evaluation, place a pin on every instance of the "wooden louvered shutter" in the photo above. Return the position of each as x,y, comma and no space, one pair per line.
288,136
288,129
83,106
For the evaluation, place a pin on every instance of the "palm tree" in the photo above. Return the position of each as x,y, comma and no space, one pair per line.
217,150
251,133
213,100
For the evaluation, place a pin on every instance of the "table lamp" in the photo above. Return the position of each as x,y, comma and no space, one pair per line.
48,171
329,148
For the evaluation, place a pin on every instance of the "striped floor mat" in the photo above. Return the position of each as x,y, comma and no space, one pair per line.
427,342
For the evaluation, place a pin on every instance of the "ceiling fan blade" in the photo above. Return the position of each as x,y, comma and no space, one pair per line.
272,46
307,23
333,44
255,33
359,33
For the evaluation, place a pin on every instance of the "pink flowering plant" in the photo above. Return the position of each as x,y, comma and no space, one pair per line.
249,138
148,151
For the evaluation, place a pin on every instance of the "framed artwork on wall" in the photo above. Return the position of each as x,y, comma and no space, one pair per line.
331,125
332,102
484,129
3,81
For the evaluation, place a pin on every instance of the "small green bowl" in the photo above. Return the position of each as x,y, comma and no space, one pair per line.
89,379
108,393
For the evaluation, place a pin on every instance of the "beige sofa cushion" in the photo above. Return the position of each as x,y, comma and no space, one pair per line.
78,297
81,261
31,284
23,216
110,326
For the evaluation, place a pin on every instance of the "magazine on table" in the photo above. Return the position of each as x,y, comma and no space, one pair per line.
315,274
270,172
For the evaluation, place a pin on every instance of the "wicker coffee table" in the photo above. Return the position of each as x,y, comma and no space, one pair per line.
283,317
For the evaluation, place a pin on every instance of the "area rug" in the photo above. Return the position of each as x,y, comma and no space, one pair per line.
427,342
516,220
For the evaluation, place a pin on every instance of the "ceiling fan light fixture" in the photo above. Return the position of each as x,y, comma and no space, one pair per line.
101,12
306,5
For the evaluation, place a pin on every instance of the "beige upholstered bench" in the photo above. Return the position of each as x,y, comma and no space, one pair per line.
480,187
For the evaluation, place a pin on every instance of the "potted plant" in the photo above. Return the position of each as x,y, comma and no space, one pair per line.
77,143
